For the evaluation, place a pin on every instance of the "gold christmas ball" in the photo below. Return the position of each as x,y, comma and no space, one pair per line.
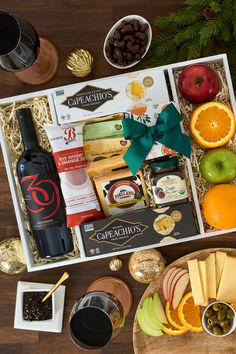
79,62
115,264
145,266
12,260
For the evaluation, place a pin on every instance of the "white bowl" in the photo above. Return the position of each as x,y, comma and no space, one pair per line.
204,320
52,325
142,20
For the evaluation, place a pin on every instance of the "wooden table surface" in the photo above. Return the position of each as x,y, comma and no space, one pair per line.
71,24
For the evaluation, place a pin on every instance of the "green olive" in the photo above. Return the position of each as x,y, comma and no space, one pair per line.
226,329
216,307
208,313
212,320
209,326
217,330
221,315
230,314
224,323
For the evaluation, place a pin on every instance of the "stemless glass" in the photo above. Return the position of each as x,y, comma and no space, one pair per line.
33,60
19,43
95,319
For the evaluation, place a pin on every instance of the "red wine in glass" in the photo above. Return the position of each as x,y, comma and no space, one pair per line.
19,43
33,60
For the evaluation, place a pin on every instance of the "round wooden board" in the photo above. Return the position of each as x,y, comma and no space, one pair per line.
188,342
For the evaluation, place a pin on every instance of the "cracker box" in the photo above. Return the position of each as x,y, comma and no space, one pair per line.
139,228
96,98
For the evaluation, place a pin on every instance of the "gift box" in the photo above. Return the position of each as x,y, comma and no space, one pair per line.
47,113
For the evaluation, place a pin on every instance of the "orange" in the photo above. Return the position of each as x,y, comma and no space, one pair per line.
219,205
189,314
212,124
172,317
234,305
169,329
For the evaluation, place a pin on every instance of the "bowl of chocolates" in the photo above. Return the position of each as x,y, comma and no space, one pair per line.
127,42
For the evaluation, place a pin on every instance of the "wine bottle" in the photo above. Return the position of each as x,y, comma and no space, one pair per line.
40,187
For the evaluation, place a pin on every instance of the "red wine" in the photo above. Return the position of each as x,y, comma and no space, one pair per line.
19,43
91,326
40,187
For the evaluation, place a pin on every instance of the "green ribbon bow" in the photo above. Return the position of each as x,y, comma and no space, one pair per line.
167,131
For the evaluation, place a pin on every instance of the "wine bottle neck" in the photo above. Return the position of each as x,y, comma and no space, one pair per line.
28,133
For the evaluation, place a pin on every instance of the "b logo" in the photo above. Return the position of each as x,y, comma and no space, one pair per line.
70,135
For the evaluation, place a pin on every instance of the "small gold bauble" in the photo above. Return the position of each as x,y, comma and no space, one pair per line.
79,62
115,264
145,266
12,260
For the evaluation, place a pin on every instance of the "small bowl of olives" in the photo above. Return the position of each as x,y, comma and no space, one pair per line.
127,42
219,319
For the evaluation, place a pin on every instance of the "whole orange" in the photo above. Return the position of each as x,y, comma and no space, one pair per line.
219,206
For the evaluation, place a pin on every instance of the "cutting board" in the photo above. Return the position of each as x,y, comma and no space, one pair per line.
189,342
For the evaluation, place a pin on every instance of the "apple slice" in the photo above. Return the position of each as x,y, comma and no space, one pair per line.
148,316
158,309
174,281
165,281
177,270
155,321
179,290
145,328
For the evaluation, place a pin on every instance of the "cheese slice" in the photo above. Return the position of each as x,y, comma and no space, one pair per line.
203,275
211,275
227,286
195,281
220,260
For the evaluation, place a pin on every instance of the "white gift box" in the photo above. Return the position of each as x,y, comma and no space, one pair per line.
166,71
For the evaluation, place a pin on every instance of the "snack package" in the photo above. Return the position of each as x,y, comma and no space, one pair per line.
104,140
77,189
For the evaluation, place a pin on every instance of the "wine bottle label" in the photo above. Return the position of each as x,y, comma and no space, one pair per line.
43,201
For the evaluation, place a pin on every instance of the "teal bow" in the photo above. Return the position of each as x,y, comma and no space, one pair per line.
167,131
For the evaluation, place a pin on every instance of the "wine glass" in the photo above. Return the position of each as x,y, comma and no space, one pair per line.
34,60
95,319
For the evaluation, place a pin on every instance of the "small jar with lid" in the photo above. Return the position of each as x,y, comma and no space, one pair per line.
168,183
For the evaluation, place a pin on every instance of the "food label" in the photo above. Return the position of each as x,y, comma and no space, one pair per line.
42,199
168,189
123,194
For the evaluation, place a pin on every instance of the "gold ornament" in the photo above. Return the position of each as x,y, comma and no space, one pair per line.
79,62
12,260
115,264
146,266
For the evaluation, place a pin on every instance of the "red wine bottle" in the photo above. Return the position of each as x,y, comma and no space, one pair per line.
40,187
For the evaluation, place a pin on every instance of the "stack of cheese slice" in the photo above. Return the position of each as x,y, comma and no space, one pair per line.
213,278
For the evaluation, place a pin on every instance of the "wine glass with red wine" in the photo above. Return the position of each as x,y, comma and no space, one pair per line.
96,319
34,60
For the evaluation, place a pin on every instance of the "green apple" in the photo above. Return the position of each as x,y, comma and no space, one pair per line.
149,315
145,327
158,309
218,165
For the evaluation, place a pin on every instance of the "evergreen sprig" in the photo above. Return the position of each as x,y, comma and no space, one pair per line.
201,28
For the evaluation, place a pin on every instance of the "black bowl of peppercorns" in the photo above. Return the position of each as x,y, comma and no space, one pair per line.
127,42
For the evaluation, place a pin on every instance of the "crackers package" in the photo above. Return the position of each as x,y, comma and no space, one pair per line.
139,229
97,98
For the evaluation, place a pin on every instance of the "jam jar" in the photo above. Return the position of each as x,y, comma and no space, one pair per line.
168,183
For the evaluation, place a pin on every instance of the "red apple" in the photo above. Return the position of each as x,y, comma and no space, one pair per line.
198,83
179,290
165,282
173,283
